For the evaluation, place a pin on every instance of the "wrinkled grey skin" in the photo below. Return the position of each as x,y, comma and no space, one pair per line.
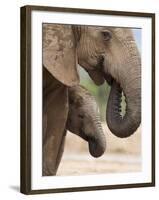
84,120
55,112
111,54
107,54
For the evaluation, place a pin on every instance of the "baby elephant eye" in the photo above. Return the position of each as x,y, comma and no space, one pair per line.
107,35
80,116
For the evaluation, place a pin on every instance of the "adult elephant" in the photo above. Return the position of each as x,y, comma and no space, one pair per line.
106,53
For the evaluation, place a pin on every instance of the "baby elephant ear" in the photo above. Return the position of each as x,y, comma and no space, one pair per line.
59,53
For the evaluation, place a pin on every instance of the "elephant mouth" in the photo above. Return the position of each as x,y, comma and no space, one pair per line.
109,78
111,82
123,117
106,76
98,75
83,136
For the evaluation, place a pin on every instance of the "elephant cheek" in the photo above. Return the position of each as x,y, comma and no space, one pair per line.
95,149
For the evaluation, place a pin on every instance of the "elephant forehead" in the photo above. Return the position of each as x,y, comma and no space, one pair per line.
123,33
120,33
94,30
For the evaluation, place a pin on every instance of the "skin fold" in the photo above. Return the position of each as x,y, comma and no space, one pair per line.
107,54
111,54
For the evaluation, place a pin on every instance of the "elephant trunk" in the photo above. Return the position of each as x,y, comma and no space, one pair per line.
97,142
84,121
96,147
130,84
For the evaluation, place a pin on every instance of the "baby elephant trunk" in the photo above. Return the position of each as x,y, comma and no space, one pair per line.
94,130
97,142
84,121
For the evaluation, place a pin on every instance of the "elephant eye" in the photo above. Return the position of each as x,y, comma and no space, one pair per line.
107,35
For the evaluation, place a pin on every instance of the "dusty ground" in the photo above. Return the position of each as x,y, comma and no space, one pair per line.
122,155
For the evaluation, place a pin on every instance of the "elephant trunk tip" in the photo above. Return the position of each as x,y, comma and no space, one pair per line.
96,149
120,129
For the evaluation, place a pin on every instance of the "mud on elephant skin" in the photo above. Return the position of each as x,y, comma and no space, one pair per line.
106,53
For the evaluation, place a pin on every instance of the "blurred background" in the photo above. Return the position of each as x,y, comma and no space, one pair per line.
122,155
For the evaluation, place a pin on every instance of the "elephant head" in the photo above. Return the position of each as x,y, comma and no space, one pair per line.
106,53
84,121
111,54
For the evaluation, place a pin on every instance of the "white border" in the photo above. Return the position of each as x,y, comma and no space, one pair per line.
39,182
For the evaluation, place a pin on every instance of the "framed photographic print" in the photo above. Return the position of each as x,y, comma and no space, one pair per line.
87,99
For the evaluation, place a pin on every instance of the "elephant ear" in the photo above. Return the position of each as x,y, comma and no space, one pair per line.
59,53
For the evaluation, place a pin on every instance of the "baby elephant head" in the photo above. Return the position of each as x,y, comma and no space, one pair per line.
84,121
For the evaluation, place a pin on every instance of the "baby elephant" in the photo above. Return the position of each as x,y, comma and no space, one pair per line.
84,121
